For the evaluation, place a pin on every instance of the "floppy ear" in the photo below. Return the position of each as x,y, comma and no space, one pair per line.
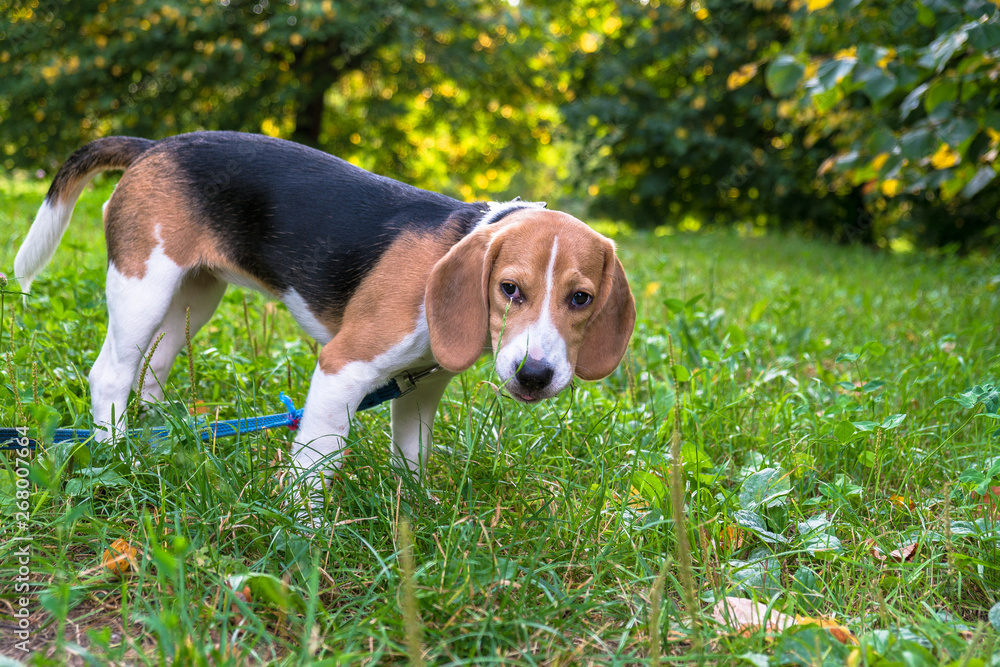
610,327
457,307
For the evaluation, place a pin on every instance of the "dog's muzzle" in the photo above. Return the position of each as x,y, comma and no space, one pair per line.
531,381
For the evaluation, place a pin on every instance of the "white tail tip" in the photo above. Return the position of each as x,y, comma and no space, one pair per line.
41,242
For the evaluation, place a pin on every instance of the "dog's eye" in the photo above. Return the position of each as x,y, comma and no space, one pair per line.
581,299
510,290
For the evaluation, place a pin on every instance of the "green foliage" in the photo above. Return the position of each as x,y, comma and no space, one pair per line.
673,115
783,75
812,437
906,93
857,121
420,91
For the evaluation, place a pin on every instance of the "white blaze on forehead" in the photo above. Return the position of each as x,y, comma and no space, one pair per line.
541,340
551,269
544,317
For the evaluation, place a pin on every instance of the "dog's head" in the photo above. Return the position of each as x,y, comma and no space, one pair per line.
548,293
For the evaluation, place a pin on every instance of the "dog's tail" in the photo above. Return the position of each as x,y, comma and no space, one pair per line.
53,216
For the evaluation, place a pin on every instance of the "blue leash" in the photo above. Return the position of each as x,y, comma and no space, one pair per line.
17,438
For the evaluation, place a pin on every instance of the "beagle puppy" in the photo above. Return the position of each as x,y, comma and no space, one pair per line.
389,279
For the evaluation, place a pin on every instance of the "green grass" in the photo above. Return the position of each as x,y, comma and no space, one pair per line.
551,537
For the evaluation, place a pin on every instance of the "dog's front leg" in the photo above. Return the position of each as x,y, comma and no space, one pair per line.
413,422
335,393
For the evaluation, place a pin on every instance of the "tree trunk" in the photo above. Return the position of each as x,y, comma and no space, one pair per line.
318,69
309,115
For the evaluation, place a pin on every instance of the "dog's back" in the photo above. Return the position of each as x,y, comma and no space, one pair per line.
264,212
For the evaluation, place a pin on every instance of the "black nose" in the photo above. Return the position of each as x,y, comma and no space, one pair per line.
534,374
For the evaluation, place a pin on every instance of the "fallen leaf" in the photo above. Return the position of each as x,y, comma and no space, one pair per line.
730,538
902,502
746,616
875,551
120,558
989,501
901,555
839,632
228,653
244,596
904,554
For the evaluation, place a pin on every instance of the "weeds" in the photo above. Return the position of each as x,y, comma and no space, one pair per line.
794,450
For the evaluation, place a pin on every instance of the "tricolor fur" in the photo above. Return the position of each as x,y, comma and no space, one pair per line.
387,277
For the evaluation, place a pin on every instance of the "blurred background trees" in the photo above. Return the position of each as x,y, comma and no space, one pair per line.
873,122
675,119
907,94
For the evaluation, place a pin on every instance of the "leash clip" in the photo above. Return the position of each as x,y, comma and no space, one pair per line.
294,415
407,382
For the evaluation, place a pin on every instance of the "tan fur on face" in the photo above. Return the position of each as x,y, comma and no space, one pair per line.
465,304
523,258
610,327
